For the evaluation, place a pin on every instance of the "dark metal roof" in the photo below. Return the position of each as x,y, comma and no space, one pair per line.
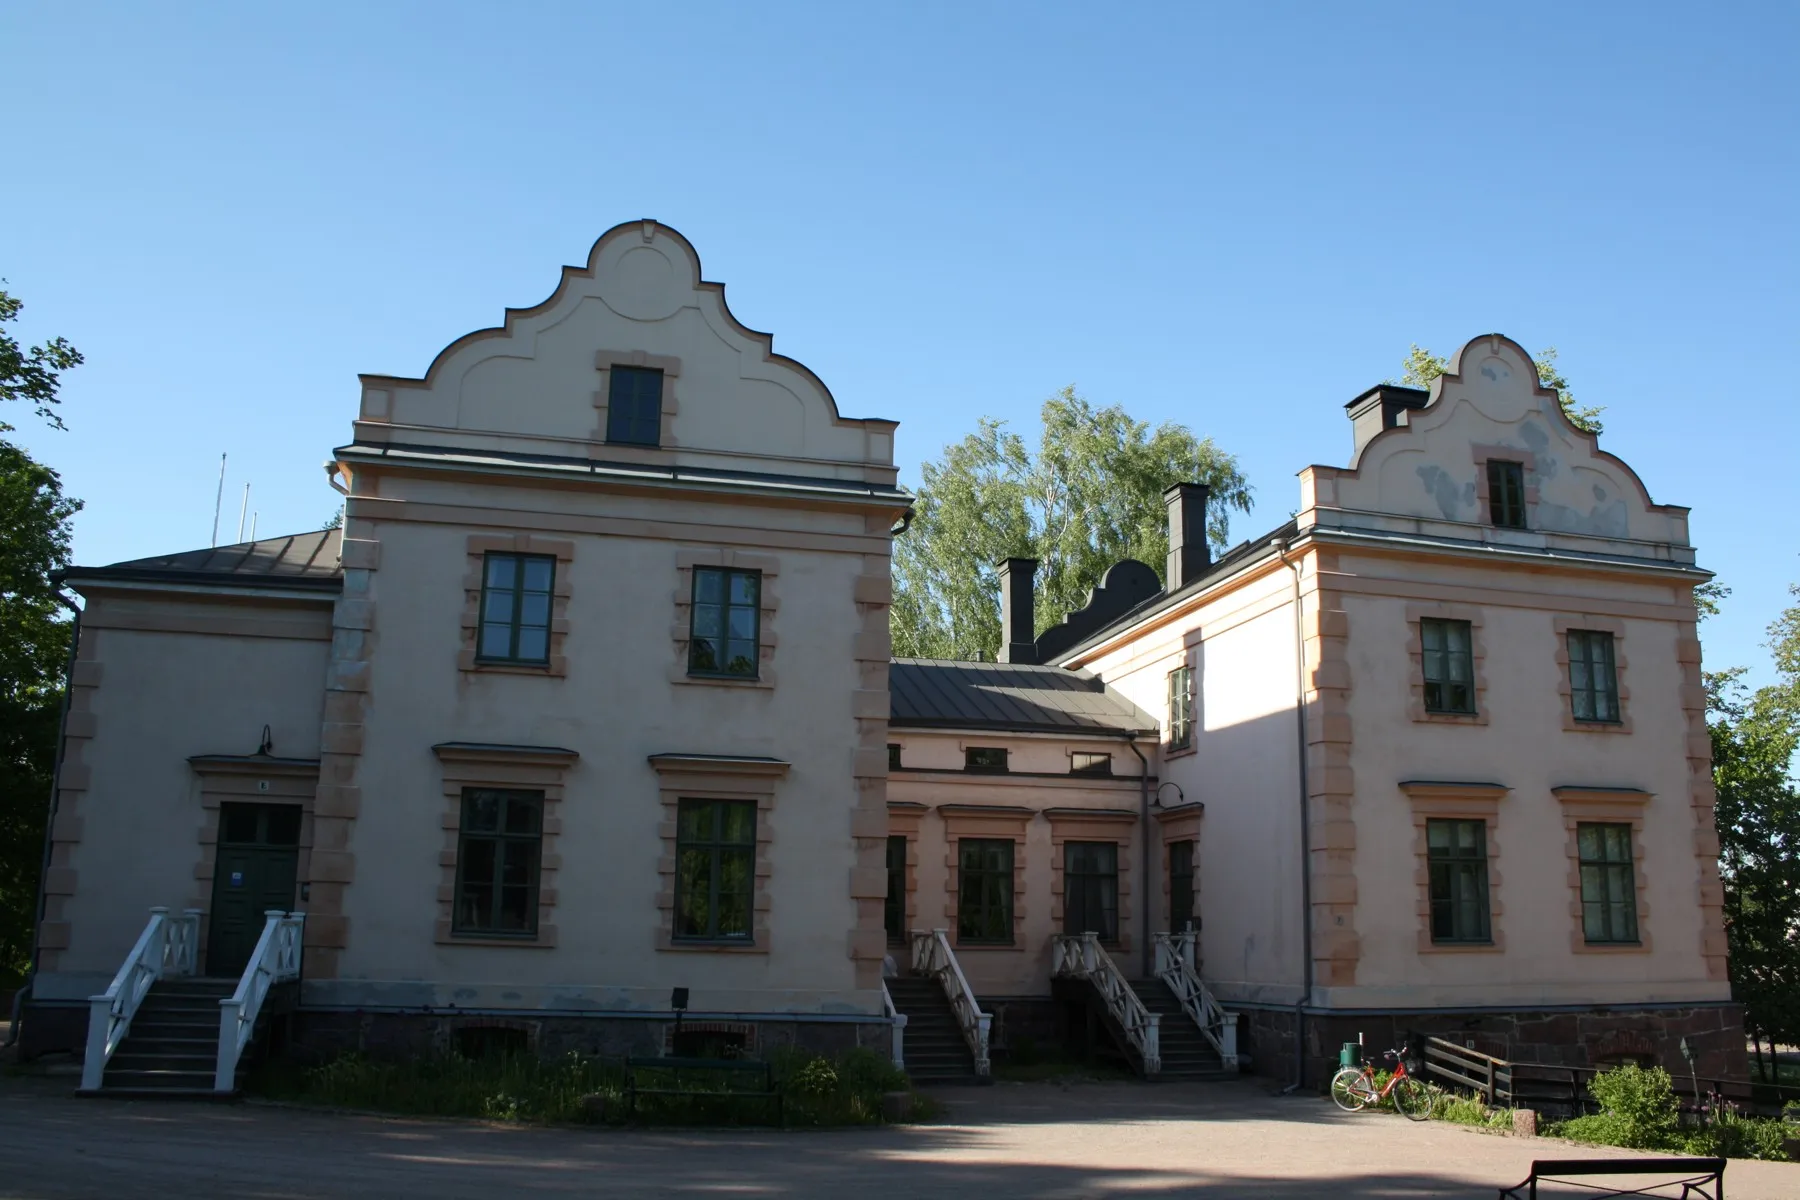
454,457
940,693
1233,560
301,560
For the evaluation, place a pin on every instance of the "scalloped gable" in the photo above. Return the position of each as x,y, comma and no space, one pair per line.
536,383
1491,405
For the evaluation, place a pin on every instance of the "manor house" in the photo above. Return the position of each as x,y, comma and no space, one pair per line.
584,732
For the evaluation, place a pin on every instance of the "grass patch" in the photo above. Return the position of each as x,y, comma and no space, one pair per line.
815,1091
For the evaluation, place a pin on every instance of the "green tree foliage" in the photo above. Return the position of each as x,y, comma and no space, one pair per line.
1754,737
34,635
31,375
1090,495
1422,366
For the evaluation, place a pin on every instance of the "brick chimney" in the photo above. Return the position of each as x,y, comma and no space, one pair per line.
1189,553
1018,610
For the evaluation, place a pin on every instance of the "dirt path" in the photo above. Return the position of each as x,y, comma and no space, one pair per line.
1041,1140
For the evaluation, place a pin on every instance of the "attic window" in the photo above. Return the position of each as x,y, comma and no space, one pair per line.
1506,494
1083,763
984,758
634,406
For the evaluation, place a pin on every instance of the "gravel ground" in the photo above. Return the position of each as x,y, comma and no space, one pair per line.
1010,1140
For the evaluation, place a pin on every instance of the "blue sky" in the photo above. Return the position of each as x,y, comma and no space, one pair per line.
1235,217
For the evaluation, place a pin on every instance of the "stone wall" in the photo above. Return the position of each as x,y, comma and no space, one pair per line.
317,1036
1592,1038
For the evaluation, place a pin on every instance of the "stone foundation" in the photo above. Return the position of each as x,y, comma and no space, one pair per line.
316,1036
1020,1019
1593,1038
51,1029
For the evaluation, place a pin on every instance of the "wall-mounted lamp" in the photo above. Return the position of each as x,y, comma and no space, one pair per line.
1180,796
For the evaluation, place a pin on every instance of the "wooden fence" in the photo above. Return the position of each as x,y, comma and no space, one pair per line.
1501,1083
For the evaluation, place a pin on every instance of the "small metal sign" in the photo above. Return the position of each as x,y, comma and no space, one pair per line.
237,879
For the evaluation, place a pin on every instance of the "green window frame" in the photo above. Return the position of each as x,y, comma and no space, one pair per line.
1448,664
634,406
725,628
1506,494
1458,871
1181,708
894,908
1593,677
1608,884
715,870
517,591
1091,889
499,855
984,908
1181,886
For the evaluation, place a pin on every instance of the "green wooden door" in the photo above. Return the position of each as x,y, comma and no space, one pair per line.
254,871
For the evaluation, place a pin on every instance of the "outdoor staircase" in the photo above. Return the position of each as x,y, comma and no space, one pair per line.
173,1046
1186,1055
936,1050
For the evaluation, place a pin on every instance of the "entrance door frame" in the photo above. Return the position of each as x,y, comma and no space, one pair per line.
250,779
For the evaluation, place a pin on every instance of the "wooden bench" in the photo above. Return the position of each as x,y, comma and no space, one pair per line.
1694,1176
729,1079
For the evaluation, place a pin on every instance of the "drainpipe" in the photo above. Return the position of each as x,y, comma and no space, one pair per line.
1281,550
1149,962
62,725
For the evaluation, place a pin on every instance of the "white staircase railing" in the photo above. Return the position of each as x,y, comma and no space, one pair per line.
897,1019
1080,956
169,946
1176,957
932,956
276,960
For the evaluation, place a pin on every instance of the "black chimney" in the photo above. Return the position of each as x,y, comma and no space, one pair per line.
1018,611
1379,408
1189,552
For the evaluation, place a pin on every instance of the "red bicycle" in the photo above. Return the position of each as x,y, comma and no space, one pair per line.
1353,1089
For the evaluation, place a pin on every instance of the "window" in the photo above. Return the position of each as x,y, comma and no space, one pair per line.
1593,679
1449,666
1608,891
515,607
895,912
1082,763
984,758
634,406
893,756
984,910
1459,882
498,851
1091,889
1181,708
1181,886
715,865
1506,493
726,622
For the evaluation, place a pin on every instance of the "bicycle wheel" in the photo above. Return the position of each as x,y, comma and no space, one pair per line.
1350,1090
1412,1098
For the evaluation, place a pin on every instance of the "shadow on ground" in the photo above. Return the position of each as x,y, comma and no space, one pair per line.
1235,1142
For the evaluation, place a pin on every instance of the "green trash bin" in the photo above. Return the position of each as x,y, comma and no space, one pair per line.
1350,1055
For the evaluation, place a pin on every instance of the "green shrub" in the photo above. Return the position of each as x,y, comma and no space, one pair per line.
1643,1104
814,1090
1732,1136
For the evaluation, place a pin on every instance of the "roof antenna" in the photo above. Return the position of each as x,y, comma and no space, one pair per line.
268,742
253,526
218,500
243,511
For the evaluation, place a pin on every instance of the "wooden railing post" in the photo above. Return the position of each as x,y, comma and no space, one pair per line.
1490,1083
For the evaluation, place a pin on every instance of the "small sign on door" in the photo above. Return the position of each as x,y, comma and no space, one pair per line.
237,879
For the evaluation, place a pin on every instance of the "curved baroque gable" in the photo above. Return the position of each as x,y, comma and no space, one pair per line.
1489,404
641,300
